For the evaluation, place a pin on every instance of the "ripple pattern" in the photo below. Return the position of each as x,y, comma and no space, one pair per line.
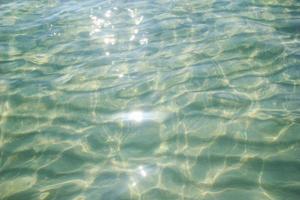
149,100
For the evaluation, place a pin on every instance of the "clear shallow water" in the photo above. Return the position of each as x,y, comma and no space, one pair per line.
149,100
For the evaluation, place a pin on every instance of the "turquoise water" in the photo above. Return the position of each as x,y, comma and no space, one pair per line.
150,100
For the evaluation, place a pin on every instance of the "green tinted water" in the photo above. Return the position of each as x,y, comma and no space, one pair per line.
150,100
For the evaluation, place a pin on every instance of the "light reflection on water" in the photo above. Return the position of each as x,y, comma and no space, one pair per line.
140,116
107,20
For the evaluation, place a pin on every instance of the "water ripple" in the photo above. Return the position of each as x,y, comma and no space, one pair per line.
149,99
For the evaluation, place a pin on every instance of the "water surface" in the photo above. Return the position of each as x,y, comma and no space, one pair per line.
150,100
